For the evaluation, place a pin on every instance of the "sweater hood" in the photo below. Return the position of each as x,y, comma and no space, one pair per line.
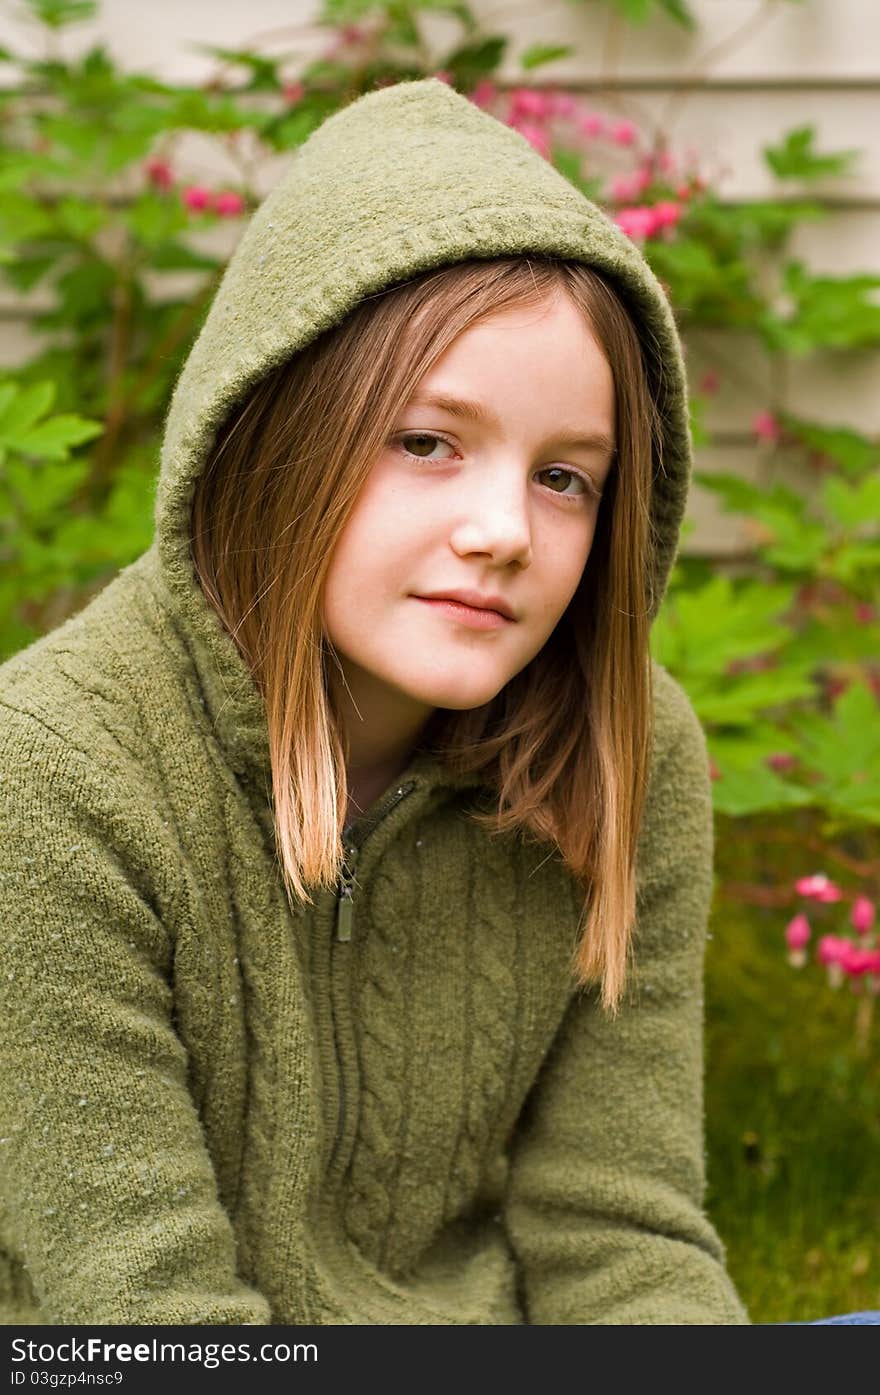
343,223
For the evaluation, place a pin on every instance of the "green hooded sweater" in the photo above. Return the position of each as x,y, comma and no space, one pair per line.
213,1108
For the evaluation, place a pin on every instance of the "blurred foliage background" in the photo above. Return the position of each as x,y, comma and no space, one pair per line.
780,655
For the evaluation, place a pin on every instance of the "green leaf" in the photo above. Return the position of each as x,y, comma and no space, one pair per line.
22,218
25,272
856,564
21,167
24,407
639,12
336,12
793,541
472,62
746,784
45,488
264,71
831,638
176,256
844,751
852,504
53,439
828,313
539,54
196,110
80,218
154,220
795,158
688,635
742,496
737,699
57,13
74,134
854,452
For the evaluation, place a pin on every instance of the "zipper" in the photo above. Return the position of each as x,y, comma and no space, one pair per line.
348,878
344,925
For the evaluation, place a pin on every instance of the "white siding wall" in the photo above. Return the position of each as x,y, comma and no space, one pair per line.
751,72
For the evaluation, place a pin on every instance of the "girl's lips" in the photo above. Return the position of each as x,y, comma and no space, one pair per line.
467,615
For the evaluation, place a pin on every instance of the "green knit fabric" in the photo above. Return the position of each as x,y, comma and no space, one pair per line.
213,1110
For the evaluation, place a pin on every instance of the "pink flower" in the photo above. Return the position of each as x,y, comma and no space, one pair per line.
714,772
637,221
624,133
858,961
766,427
862,915
591,124
159,173
683,191
562,103
830,948
667,214
229,204
666,162
534,135
709,383
797,936
865,614
818,888
525,101
831,951
628,186
484,93
443,76
797,932
293,92
196,197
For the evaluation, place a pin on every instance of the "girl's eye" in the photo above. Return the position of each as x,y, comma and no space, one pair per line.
589,489
421,436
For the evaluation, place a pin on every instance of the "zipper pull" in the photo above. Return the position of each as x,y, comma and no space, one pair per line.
345,903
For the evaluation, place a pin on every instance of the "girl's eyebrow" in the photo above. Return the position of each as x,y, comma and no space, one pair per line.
475,411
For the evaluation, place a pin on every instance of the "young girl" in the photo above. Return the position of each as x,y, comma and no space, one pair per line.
353,936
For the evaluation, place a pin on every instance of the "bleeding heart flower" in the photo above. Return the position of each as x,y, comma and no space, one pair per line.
196,197
862,915
818,888
484,93
229,204
159,173
624,133
766,427
797,937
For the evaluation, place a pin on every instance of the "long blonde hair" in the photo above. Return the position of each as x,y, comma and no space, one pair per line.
565,746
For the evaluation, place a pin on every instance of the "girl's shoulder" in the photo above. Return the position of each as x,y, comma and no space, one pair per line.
97,685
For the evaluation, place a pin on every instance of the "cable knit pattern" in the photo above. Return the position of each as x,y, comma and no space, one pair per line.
386,936
490,927
212,1111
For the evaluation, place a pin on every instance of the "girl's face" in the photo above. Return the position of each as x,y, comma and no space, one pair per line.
503,506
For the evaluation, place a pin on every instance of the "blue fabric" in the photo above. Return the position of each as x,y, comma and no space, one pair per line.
853,1319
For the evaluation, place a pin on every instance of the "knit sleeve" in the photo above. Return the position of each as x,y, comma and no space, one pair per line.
604,1205
108,1196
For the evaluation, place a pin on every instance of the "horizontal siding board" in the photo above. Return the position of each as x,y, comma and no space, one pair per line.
818,41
